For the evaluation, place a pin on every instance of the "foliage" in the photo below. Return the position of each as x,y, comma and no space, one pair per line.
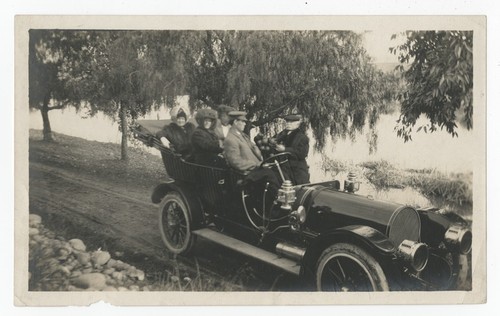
207,65
452,188
439,80
50,53
127,73
324,75
332,167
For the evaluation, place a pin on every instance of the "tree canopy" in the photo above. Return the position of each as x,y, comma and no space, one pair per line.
50,52
326,76
127,73
439,80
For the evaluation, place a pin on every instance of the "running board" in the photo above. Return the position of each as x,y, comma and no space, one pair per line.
249,250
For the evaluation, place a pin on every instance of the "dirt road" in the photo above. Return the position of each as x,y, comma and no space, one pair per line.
121,218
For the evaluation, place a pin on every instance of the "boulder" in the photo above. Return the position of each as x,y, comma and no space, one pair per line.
87,270
135,288
120,265
76,273
35,220
100,258
77,244
83,258
137,274
47,252
38,238
111,263
90,281
108,271
34,231
63,253
65,269
119,276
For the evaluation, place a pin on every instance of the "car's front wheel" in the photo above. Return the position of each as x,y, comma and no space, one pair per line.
175,224
345,267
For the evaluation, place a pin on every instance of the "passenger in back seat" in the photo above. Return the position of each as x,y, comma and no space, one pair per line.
177,134
207,149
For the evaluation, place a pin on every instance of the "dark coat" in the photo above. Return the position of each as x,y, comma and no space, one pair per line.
297,144
206,148
179,137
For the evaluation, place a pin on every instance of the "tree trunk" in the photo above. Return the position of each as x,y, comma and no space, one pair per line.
47,131
124,130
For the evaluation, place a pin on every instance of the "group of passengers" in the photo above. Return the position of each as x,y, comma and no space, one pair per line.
220,140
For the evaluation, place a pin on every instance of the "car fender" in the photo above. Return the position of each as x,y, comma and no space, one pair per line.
367,237
188,195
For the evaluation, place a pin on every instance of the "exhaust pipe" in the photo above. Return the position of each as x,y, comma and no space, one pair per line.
290,251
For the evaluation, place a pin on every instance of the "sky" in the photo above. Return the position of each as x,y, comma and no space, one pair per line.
377,44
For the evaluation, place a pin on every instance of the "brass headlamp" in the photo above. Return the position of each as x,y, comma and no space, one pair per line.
286,195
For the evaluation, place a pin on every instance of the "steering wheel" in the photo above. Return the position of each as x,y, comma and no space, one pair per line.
281,158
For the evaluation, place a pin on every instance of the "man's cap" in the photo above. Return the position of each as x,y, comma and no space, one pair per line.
225,109
240,115
293,117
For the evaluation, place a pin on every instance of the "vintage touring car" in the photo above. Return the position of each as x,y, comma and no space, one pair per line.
332,238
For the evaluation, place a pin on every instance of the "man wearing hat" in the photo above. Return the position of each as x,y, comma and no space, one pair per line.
223,122
243,155
294,141
240,152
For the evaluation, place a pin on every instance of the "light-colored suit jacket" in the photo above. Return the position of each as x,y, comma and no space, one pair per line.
240,152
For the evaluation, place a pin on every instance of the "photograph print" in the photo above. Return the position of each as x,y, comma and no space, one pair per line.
253,157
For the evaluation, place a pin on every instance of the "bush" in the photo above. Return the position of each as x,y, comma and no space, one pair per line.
454,188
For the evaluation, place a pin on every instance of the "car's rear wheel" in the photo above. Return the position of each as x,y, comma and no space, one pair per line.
345,267
175,224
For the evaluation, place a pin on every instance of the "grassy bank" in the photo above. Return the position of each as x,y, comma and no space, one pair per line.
450,188
95,157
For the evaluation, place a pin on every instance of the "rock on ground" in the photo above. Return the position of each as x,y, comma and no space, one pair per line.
57,264
92,280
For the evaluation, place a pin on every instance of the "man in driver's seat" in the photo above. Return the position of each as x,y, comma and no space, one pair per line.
240,152
245,157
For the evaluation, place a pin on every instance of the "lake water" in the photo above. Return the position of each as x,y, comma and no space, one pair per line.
436,151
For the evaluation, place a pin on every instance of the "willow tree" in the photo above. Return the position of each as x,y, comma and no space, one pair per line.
208,63
437,68
324,75
50,53
127,73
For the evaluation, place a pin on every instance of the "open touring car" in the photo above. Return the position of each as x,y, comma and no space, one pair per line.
323,232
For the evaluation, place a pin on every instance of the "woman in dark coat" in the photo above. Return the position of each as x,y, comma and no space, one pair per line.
178,133
295,141
206,146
